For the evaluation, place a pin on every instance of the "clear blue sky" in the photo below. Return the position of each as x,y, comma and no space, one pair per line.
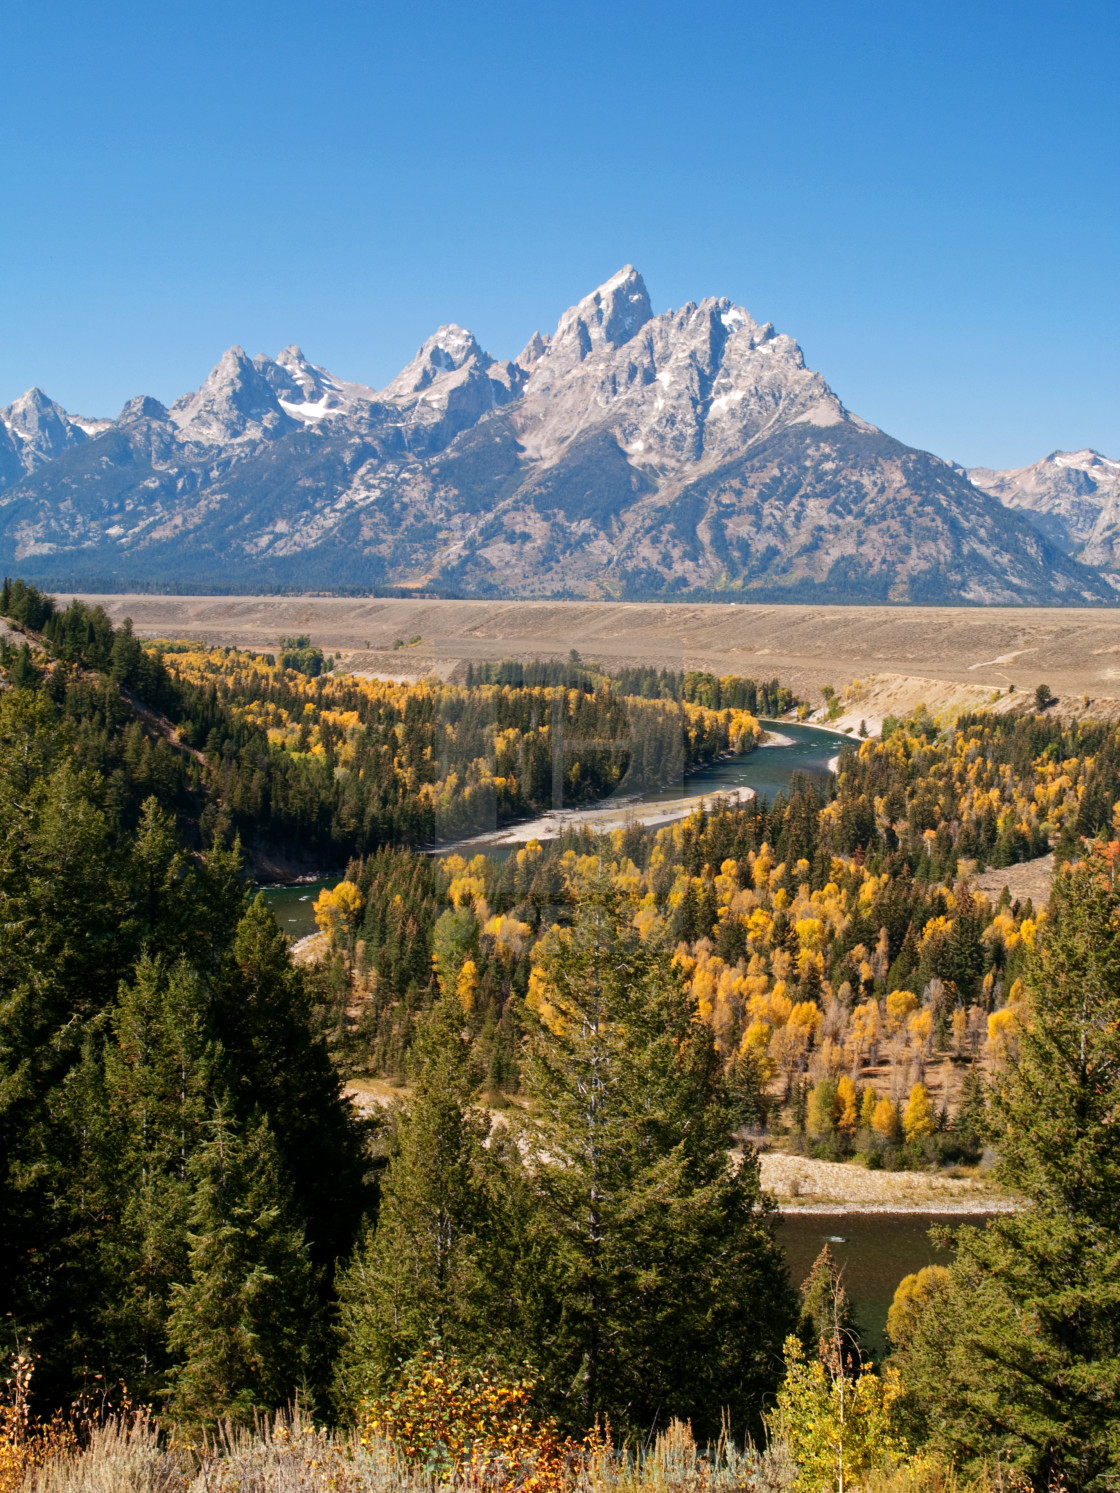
927,196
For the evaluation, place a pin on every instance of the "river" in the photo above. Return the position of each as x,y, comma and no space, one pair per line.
763,773
875,1251
766,772
292,906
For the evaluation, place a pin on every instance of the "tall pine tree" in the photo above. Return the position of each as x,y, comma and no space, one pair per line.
241,1323
280,1065
445,1258
143,1111
664,1293
1021,1357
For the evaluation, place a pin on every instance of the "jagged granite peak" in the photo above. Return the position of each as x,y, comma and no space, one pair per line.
688,386
628,455
1071,496
236,403
449,350
450,385
533,351
42,429
608,317
306,391
142,407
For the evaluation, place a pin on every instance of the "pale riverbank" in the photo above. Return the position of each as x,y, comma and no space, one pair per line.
599,819
802,1184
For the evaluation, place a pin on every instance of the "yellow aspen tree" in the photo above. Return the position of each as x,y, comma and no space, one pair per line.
914,1294
900,1003
920,1027
337,911
756,1046
838,1429
960,1031
847,1112
918,1117
807,1014
881,959
884,1119
867,1108
1003,1035
466,986
865,1030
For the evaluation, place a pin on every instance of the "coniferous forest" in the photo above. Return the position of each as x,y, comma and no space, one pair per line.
548,1260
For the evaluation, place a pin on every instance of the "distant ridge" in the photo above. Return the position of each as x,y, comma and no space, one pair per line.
1073,497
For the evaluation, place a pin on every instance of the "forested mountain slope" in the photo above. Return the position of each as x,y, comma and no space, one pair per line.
194,1217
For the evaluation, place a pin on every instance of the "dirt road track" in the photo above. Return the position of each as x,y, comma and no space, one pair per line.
972,650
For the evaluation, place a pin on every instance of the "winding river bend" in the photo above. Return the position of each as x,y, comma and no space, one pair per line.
769,769
762,773
765,772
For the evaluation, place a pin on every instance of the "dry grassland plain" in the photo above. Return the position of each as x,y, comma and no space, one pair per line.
888,659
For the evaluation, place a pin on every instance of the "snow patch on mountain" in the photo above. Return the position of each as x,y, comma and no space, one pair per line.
1071,496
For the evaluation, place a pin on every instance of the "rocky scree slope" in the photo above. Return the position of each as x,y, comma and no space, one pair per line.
626,455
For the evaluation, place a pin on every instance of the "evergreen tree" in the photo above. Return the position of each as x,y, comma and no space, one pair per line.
240,1323
1021,1357
443,1260
155,1084
969,1122
162,887
264,1020
62,954
665,1293
827,1325
748,1091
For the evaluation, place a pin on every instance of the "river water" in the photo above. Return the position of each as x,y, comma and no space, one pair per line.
768,771
875,1251
292,906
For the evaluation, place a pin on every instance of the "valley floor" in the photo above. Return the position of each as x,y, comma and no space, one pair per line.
951,658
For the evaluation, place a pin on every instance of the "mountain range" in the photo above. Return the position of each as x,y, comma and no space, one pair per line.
1073,497
625,454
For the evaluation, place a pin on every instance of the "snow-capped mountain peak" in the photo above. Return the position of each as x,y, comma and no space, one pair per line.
449,385
692,385
449,350
1072,496
625,454
40,429
306,391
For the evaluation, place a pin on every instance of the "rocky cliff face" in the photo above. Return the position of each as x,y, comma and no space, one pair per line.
626,454
1073,497
34,430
